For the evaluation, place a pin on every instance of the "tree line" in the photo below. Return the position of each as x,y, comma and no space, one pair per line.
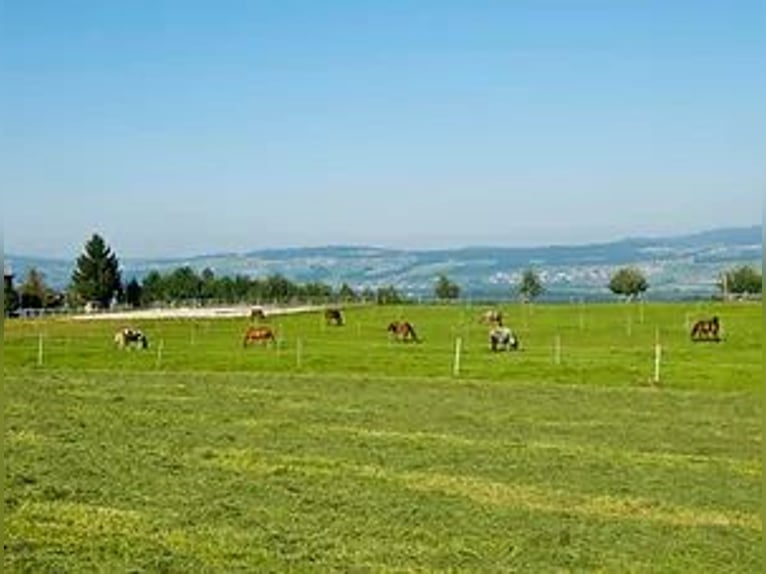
97,281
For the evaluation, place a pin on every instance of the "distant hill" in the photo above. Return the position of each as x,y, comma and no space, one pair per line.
677,267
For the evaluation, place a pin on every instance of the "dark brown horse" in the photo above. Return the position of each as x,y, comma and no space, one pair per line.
258,335
257,314
706,330
333,317
403,331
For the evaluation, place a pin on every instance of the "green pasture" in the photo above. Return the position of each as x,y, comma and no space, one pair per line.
338,450
590,344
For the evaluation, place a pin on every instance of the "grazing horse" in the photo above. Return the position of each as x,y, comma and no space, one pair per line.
333,317
258,335
402,331
503,339
130,337
257,313
493,316
706,330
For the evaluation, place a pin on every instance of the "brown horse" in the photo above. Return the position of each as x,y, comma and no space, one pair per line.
403,331
493,316
257,314
333,317
258,335
706,330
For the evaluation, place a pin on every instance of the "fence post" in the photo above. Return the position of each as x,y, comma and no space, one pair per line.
298,352
40,350
456,363
159,353
657,360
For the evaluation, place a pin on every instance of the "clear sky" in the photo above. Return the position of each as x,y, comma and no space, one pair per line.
187,127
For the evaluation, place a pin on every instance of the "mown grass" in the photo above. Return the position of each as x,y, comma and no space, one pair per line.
219,459
600,344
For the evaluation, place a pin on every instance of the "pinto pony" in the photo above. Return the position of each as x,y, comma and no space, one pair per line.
131,338
402,331
258,335
333,317
706,330
493,317
503,339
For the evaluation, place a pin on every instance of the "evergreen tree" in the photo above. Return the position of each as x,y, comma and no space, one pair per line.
346,293
97,273
133,293
33,291
10,295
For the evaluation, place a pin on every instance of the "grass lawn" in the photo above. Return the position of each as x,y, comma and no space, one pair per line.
340,450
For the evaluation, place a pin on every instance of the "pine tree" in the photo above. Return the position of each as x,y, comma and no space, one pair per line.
97,273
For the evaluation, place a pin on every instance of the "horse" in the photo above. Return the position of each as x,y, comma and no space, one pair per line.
258,335
706,330
257,314
131,337
403,331
493,316
503,339
333,317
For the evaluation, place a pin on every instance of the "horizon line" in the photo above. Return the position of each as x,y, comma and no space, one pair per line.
380,247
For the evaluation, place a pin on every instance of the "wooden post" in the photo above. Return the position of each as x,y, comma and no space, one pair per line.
657,360
298,353
456,363
40,350
159,353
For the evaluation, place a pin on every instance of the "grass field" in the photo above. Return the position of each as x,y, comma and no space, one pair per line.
339,450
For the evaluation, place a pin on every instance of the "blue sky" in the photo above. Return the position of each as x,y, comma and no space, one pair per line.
177,128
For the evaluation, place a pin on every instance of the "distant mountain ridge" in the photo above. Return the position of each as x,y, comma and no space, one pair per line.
676,266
